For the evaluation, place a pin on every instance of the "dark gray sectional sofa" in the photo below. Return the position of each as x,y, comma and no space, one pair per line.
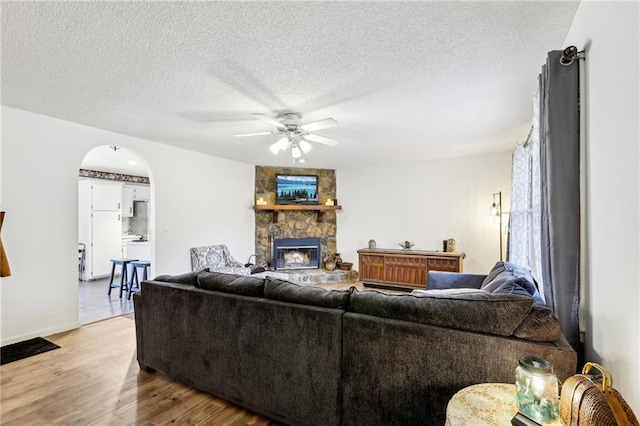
306,355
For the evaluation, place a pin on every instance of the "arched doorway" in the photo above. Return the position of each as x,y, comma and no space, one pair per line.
115,216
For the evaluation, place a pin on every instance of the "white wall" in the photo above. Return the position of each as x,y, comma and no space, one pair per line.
609,31
198,198
426,203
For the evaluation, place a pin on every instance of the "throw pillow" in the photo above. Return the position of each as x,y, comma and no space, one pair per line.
504,276
516,270
507,284
231,283
287,291
190,278
498,268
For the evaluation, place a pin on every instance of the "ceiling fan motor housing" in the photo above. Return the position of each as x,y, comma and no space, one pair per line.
291,119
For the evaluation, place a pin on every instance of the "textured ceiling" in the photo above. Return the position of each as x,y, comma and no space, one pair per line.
406,81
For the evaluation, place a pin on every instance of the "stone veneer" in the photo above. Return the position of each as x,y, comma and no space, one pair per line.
294,224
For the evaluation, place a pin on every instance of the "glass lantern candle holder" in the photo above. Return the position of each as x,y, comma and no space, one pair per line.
537,389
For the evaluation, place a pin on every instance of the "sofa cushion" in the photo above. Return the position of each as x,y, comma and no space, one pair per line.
231,283
541,325
190,278
509,278
286,291
467,310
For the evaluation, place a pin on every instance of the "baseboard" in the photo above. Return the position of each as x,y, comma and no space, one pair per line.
42,333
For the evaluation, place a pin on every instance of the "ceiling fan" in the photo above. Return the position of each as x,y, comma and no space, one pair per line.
295,135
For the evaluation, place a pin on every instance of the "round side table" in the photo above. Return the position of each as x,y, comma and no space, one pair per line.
486,404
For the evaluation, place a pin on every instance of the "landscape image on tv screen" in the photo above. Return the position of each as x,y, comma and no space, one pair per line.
296,189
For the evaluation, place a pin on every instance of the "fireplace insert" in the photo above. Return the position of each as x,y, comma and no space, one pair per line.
296,253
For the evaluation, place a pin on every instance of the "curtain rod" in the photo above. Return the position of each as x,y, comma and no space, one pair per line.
570,54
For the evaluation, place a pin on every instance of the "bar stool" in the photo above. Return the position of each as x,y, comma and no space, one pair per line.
145,265
123,276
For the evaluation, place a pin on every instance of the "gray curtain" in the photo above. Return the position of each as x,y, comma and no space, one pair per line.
560,191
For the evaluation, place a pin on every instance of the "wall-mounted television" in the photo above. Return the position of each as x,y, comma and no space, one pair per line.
296,189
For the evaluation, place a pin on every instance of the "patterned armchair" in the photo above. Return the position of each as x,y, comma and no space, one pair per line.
217,259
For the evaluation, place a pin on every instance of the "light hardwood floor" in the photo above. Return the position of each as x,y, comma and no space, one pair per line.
94,379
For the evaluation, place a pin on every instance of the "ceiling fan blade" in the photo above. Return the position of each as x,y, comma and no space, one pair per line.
321,139
268,119
252,134
320,124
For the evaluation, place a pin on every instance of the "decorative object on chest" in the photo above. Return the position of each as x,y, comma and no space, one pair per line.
451,245
407,245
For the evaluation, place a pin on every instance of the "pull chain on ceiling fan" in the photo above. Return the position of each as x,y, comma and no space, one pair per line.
295,135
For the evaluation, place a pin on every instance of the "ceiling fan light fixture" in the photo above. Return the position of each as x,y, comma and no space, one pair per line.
275,148
304,146
284,143
281,145
296,152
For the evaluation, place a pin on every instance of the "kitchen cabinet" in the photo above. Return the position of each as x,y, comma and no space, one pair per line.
141,193
105,196
131,193
127,201
99,225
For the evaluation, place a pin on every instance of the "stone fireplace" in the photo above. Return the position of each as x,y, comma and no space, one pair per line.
294,224
296,253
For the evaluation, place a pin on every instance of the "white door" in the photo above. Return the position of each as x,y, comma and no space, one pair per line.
106,196
106,229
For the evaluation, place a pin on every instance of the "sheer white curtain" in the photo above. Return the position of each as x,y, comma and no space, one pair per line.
525,212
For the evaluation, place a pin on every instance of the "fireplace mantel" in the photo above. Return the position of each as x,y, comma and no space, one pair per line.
319,208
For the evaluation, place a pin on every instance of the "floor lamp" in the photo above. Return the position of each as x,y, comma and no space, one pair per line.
496,211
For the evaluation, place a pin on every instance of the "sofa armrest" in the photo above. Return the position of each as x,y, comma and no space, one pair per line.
138,307
439,280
